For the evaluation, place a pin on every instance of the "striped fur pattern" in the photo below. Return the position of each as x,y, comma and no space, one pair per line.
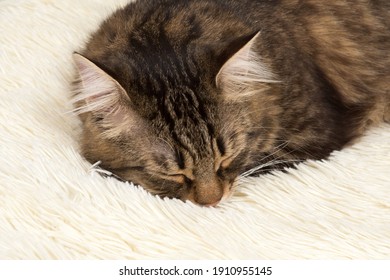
183,97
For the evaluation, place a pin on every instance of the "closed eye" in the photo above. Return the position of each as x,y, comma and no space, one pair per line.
178,178
175,177
225,162
231,166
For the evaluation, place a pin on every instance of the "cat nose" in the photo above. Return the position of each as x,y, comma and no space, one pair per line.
206,193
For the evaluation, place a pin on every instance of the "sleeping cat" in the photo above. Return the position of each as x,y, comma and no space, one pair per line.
184,96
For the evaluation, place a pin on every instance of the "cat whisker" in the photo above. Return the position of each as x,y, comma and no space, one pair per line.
272,162
95,168
268,164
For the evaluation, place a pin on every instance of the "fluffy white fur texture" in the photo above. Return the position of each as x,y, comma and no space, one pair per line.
53,207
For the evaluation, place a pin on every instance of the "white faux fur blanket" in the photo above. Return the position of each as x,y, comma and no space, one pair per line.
53,207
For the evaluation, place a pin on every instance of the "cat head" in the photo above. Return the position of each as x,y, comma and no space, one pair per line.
179,126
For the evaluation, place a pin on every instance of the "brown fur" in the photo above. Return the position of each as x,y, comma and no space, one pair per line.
185,118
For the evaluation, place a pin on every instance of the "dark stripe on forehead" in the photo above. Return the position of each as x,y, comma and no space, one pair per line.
187,124
167,72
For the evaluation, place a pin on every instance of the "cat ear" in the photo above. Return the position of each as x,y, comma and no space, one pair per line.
100,94
244,74
99,91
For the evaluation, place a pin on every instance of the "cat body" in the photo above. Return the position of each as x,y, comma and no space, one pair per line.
182,97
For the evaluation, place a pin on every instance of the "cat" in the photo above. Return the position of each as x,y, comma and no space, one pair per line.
184,96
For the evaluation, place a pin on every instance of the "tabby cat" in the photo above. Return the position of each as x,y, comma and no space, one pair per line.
184,96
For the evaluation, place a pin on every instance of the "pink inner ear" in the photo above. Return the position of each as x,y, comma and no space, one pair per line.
99,90
102,102
241,75
100,94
